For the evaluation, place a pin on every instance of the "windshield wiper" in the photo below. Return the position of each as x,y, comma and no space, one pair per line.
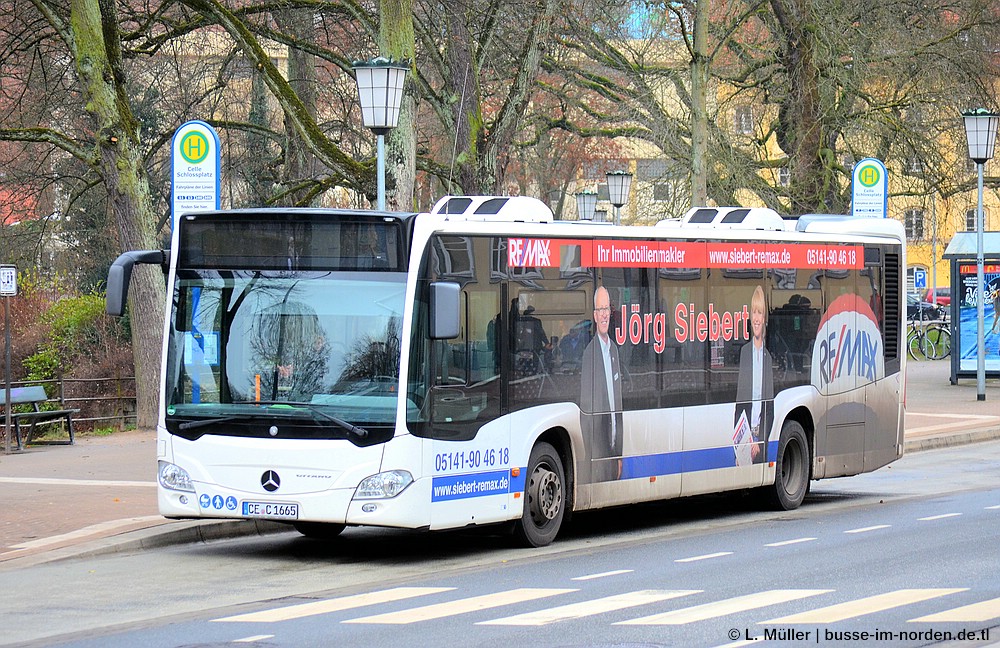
359,432
190,425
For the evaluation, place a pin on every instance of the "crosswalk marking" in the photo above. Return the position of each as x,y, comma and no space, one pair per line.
462,606
590,608
983,611
333,605
861,607
722,608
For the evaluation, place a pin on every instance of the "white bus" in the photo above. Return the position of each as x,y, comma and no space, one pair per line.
485,364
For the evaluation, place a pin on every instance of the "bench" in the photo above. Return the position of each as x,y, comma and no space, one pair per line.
35,396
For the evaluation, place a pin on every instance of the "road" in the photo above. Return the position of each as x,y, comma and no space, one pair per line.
906,554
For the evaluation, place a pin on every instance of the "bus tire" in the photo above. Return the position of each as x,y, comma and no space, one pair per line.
792,468
319,530
544,498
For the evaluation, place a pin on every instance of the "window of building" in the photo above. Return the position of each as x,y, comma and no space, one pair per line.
784,175
914,166
914,221
744,120
657,173
970,219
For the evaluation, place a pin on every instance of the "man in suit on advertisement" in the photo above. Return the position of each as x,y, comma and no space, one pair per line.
601,395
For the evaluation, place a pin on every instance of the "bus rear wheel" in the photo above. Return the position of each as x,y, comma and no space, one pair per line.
319,530
544,498
792,468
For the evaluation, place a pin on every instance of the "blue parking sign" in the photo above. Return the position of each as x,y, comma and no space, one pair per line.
919,278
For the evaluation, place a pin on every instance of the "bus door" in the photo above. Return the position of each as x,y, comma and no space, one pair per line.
840,355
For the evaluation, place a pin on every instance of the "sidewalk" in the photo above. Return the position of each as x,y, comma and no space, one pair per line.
100,494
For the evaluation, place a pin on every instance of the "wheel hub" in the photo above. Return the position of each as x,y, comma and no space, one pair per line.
545,495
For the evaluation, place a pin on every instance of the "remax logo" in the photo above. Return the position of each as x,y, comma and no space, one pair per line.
848,353
528,253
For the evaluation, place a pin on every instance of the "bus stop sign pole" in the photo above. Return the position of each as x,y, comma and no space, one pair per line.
8,289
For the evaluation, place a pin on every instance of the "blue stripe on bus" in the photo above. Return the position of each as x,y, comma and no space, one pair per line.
452,487
674,463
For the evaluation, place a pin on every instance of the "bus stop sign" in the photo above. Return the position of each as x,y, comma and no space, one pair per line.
8,281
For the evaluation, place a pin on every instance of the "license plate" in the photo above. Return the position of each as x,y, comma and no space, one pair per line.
272,510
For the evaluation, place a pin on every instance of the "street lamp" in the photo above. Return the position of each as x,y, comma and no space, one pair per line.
380,89
981,131
586,203
619,183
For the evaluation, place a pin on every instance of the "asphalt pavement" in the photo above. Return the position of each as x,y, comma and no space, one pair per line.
99,495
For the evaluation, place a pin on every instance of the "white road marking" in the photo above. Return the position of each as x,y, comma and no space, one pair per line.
785,543
49,481
746,642
993,508
938,517
861,607
93,529
975,613
722,608
590,608
871,528
253,639
719,554
462,606
617,572
332,605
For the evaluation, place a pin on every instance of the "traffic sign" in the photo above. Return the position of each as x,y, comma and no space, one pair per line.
8,281
195,170
869,184
919,278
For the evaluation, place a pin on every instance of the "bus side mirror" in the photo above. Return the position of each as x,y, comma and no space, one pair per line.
120,273
444,311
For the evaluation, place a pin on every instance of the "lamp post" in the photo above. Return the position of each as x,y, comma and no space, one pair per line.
380,90
981,132
586,203
619,183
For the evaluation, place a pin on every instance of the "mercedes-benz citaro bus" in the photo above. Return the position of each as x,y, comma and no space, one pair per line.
484,363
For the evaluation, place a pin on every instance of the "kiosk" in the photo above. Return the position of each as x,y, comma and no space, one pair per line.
961,252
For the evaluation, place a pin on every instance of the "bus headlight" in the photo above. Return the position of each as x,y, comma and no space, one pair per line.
175,477
383,485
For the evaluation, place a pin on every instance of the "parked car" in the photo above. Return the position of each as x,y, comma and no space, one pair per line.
918,309
943,295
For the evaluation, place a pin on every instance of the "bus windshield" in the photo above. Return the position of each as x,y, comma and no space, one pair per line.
309,344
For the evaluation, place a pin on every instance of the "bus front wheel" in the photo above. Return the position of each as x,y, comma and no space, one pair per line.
544,498
792,468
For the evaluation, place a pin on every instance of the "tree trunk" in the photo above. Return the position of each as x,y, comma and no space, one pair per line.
98,62
300,164
800,132
699,111
397,41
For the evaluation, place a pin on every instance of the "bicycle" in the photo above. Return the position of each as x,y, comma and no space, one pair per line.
931,340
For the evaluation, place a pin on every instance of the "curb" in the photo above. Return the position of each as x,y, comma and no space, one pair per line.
168,533
933,442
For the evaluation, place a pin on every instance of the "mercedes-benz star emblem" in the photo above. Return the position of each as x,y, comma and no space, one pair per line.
270,481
